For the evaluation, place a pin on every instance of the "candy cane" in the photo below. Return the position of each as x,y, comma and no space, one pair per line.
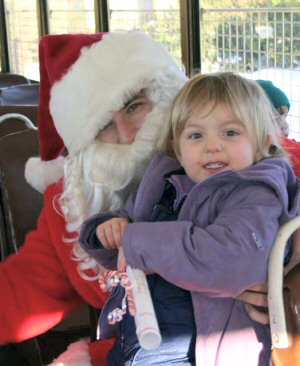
139,301
147,329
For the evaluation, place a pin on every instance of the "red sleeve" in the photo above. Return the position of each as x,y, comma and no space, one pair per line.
40,285
99,351
293,149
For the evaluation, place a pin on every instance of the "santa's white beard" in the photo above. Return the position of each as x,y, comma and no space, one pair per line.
101,178
114,166
115,169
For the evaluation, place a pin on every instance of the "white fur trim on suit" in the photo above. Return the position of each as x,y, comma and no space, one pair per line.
40,174
102,79
77,354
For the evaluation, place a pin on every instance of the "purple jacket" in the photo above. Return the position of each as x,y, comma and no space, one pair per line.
218,248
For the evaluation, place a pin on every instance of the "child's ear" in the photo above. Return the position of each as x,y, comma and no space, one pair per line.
270,147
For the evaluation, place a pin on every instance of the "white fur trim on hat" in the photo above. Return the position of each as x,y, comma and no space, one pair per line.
77,354
102,79
40,174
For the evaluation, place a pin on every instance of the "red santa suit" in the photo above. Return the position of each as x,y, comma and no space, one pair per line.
41,285
293,149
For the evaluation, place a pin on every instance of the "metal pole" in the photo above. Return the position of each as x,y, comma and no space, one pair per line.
101,15
190,35
5,65
43,17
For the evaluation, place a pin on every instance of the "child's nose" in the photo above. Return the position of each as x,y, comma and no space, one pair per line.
213,144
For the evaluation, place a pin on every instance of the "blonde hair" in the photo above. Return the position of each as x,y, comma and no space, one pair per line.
244,99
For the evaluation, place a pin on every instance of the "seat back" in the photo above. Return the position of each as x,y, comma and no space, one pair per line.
20,206
30,111
15,122
20,203
27,94
8,79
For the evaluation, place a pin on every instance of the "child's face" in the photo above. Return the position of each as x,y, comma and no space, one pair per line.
214,142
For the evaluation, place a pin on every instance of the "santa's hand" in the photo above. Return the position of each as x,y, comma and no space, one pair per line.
256,296
110,233
121,261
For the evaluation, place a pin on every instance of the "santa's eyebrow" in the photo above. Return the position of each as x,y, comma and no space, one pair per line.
140,95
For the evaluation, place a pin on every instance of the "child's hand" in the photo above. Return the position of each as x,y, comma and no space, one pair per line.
121,266
110,233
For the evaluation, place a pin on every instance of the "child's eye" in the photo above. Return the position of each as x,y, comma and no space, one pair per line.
194,136
231,133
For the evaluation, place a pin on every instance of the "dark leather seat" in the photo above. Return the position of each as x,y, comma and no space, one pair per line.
15,122
30,111
8,79
15,149
16,219
27,94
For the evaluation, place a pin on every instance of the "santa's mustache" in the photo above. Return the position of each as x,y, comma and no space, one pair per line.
113,165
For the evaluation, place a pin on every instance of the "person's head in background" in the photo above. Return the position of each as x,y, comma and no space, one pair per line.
108,109
280,102
220,122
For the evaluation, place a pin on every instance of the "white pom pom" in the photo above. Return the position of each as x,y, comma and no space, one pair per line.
40,174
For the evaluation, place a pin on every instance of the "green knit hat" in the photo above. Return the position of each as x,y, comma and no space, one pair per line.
276,95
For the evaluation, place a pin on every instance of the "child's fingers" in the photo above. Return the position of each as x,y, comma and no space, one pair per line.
101,235
118,229
110,233
116,233
123,225
121,265
105,235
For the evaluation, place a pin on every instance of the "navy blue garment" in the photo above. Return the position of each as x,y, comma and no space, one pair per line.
173,308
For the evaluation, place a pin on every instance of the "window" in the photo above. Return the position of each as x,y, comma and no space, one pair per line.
22,34
160,19
71,16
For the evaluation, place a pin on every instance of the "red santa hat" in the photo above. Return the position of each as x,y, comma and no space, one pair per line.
84,78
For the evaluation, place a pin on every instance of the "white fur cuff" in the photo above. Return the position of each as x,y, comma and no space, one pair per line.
77,354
